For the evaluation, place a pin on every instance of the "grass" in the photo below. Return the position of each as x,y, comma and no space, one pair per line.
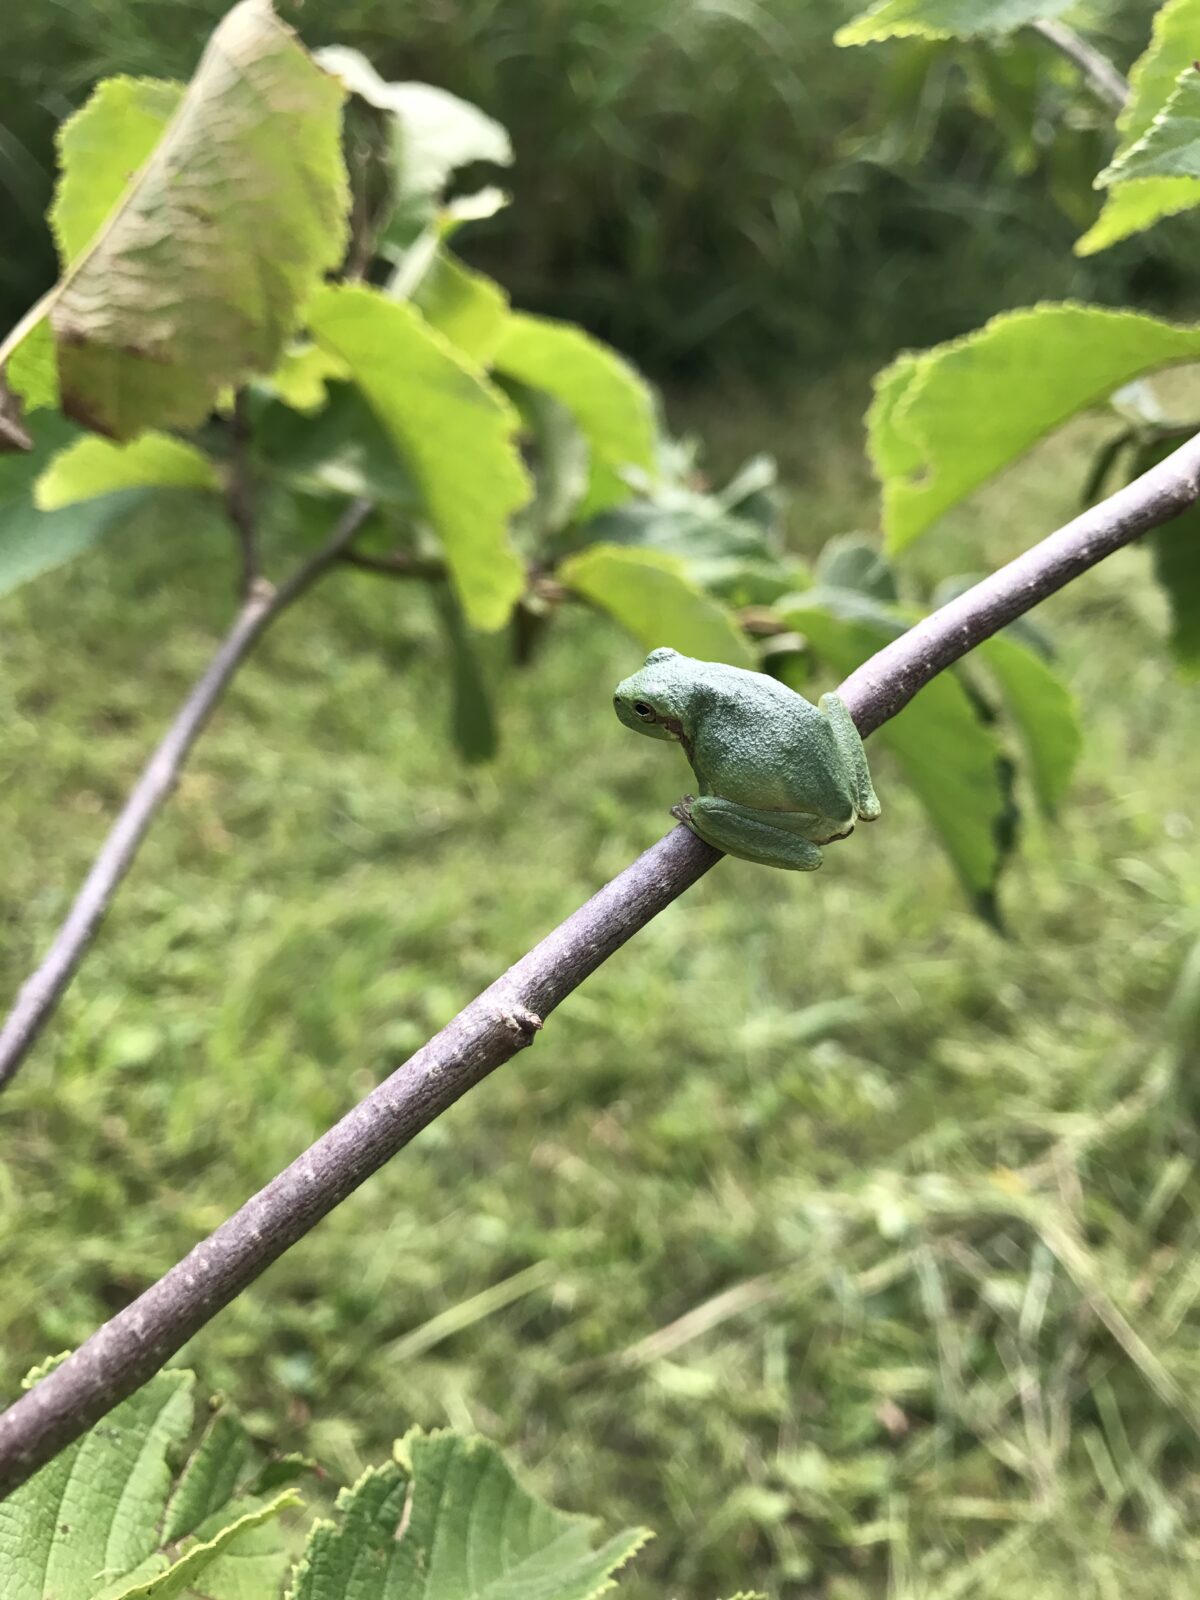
850,1246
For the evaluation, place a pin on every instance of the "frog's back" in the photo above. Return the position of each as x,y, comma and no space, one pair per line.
761,744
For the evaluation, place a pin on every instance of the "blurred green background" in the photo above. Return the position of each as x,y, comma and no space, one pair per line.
848,1244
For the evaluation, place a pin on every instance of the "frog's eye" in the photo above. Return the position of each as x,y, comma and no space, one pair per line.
641,709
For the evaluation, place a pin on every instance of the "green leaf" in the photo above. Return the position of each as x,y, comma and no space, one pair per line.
100,150
650,593
1140,202
341,450
455,432
448,1521
92,467
1176,548
197,277
1170,147
466,307
945,19
472,719
33,541
100,1521
1043,710
945,421
948,755
849,561
610,403
94,1509
301,380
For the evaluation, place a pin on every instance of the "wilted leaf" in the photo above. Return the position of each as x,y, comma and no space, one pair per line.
436,132
610,403
33,541
650,593
100,150
945,421
1140,202
89,1525
92,467
447,1521
948,756
197,277
1170,147
453,430
945,19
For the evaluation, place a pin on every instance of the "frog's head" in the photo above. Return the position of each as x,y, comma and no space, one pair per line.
655,700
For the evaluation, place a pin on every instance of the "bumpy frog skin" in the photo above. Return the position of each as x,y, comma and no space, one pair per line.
778,777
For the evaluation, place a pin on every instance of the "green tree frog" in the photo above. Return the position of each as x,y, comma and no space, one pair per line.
778,777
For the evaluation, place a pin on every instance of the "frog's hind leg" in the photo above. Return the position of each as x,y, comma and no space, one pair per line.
753,835
854,757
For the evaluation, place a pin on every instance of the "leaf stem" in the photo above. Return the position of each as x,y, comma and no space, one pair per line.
1101,77
135,1343
239,494
41,992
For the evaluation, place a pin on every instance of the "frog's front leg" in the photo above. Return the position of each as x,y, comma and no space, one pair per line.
772,838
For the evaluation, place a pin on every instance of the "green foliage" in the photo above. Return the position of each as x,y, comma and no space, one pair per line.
114,1518
649,592
944,421
945,19
1043,710
108,1519
231,221
607,399
1143,200
948,755
33,541
454,431
92,467
656,1259
1177,564
1170,147
447,1521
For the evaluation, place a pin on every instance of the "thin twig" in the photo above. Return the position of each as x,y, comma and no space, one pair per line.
239,494
41,992
134,1344
395,564
1105,82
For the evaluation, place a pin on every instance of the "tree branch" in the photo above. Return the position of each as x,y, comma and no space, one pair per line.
135,1343
395,564
1102,78
41,992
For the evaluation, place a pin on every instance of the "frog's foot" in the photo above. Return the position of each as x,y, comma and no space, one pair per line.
682,809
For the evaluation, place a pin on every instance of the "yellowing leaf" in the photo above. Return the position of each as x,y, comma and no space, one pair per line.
197,277
1138,203
93,467
454,431
945,19
944,421
649,592
610,403
100,150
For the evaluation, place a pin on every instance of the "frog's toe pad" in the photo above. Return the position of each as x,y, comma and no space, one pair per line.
682,810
